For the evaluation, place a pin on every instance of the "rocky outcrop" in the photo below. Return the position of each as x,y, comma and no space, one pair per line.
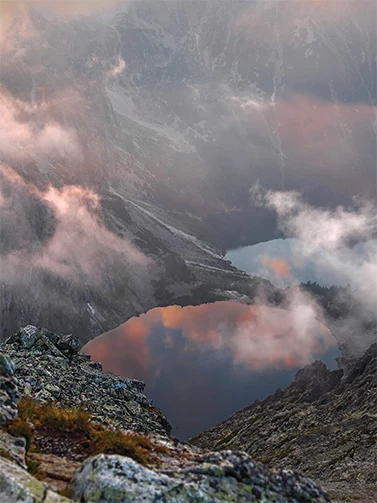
18,486
203,478
8,390
13,448
208,478
152,466
49,367
57,471
323,425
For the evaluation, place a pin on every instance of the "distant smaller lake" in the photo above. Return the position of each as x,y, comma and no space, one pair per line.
284,262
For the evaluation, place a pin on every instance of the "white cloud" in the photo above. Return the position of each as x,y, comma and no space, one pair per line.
328,237
27,131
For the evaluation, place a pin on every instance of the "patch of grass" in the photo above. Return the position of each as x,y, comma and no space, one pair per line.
184,455
21,428
71,425
50,416
72,420
26,408
137,447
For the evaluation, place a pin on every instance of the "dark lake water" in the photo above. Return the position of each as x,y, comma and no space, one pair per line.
203,363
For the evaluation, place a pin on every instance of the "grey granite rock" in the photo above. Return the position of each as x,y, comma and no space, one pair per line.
28,336
18,486
212,478
13,448
68,343
7,367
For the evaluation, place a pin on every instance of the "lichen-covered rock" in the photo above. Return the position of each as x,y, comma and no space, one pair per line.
56,471
210,478
49,368
28,336
18,486
8,390
13,448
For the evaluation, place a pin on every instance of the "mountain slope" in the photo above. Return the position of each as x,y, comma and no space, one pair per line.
324,425
130,141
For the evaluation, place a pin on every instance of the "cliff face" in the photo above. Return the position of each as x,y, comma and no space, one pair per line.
115,446
323,425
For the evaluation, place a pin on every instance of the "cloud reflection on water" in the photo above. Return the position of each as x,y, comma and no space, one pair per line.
201,363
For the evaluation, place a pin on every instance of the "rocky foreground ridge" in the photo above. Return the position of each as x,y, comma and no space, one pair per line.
50,368
113,446
323,425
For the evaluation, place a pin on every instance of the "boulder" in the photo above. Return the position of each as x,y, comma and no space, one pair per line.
68,343
26,337
7,367
18,486
211,478
56,471
13,448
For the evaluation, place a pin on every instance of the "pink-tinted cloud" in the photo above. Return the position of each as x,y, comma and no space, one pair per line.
80,240
278,266
9,8
75,7
328,229
14,35
317,141
80,243
27,131
308,126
